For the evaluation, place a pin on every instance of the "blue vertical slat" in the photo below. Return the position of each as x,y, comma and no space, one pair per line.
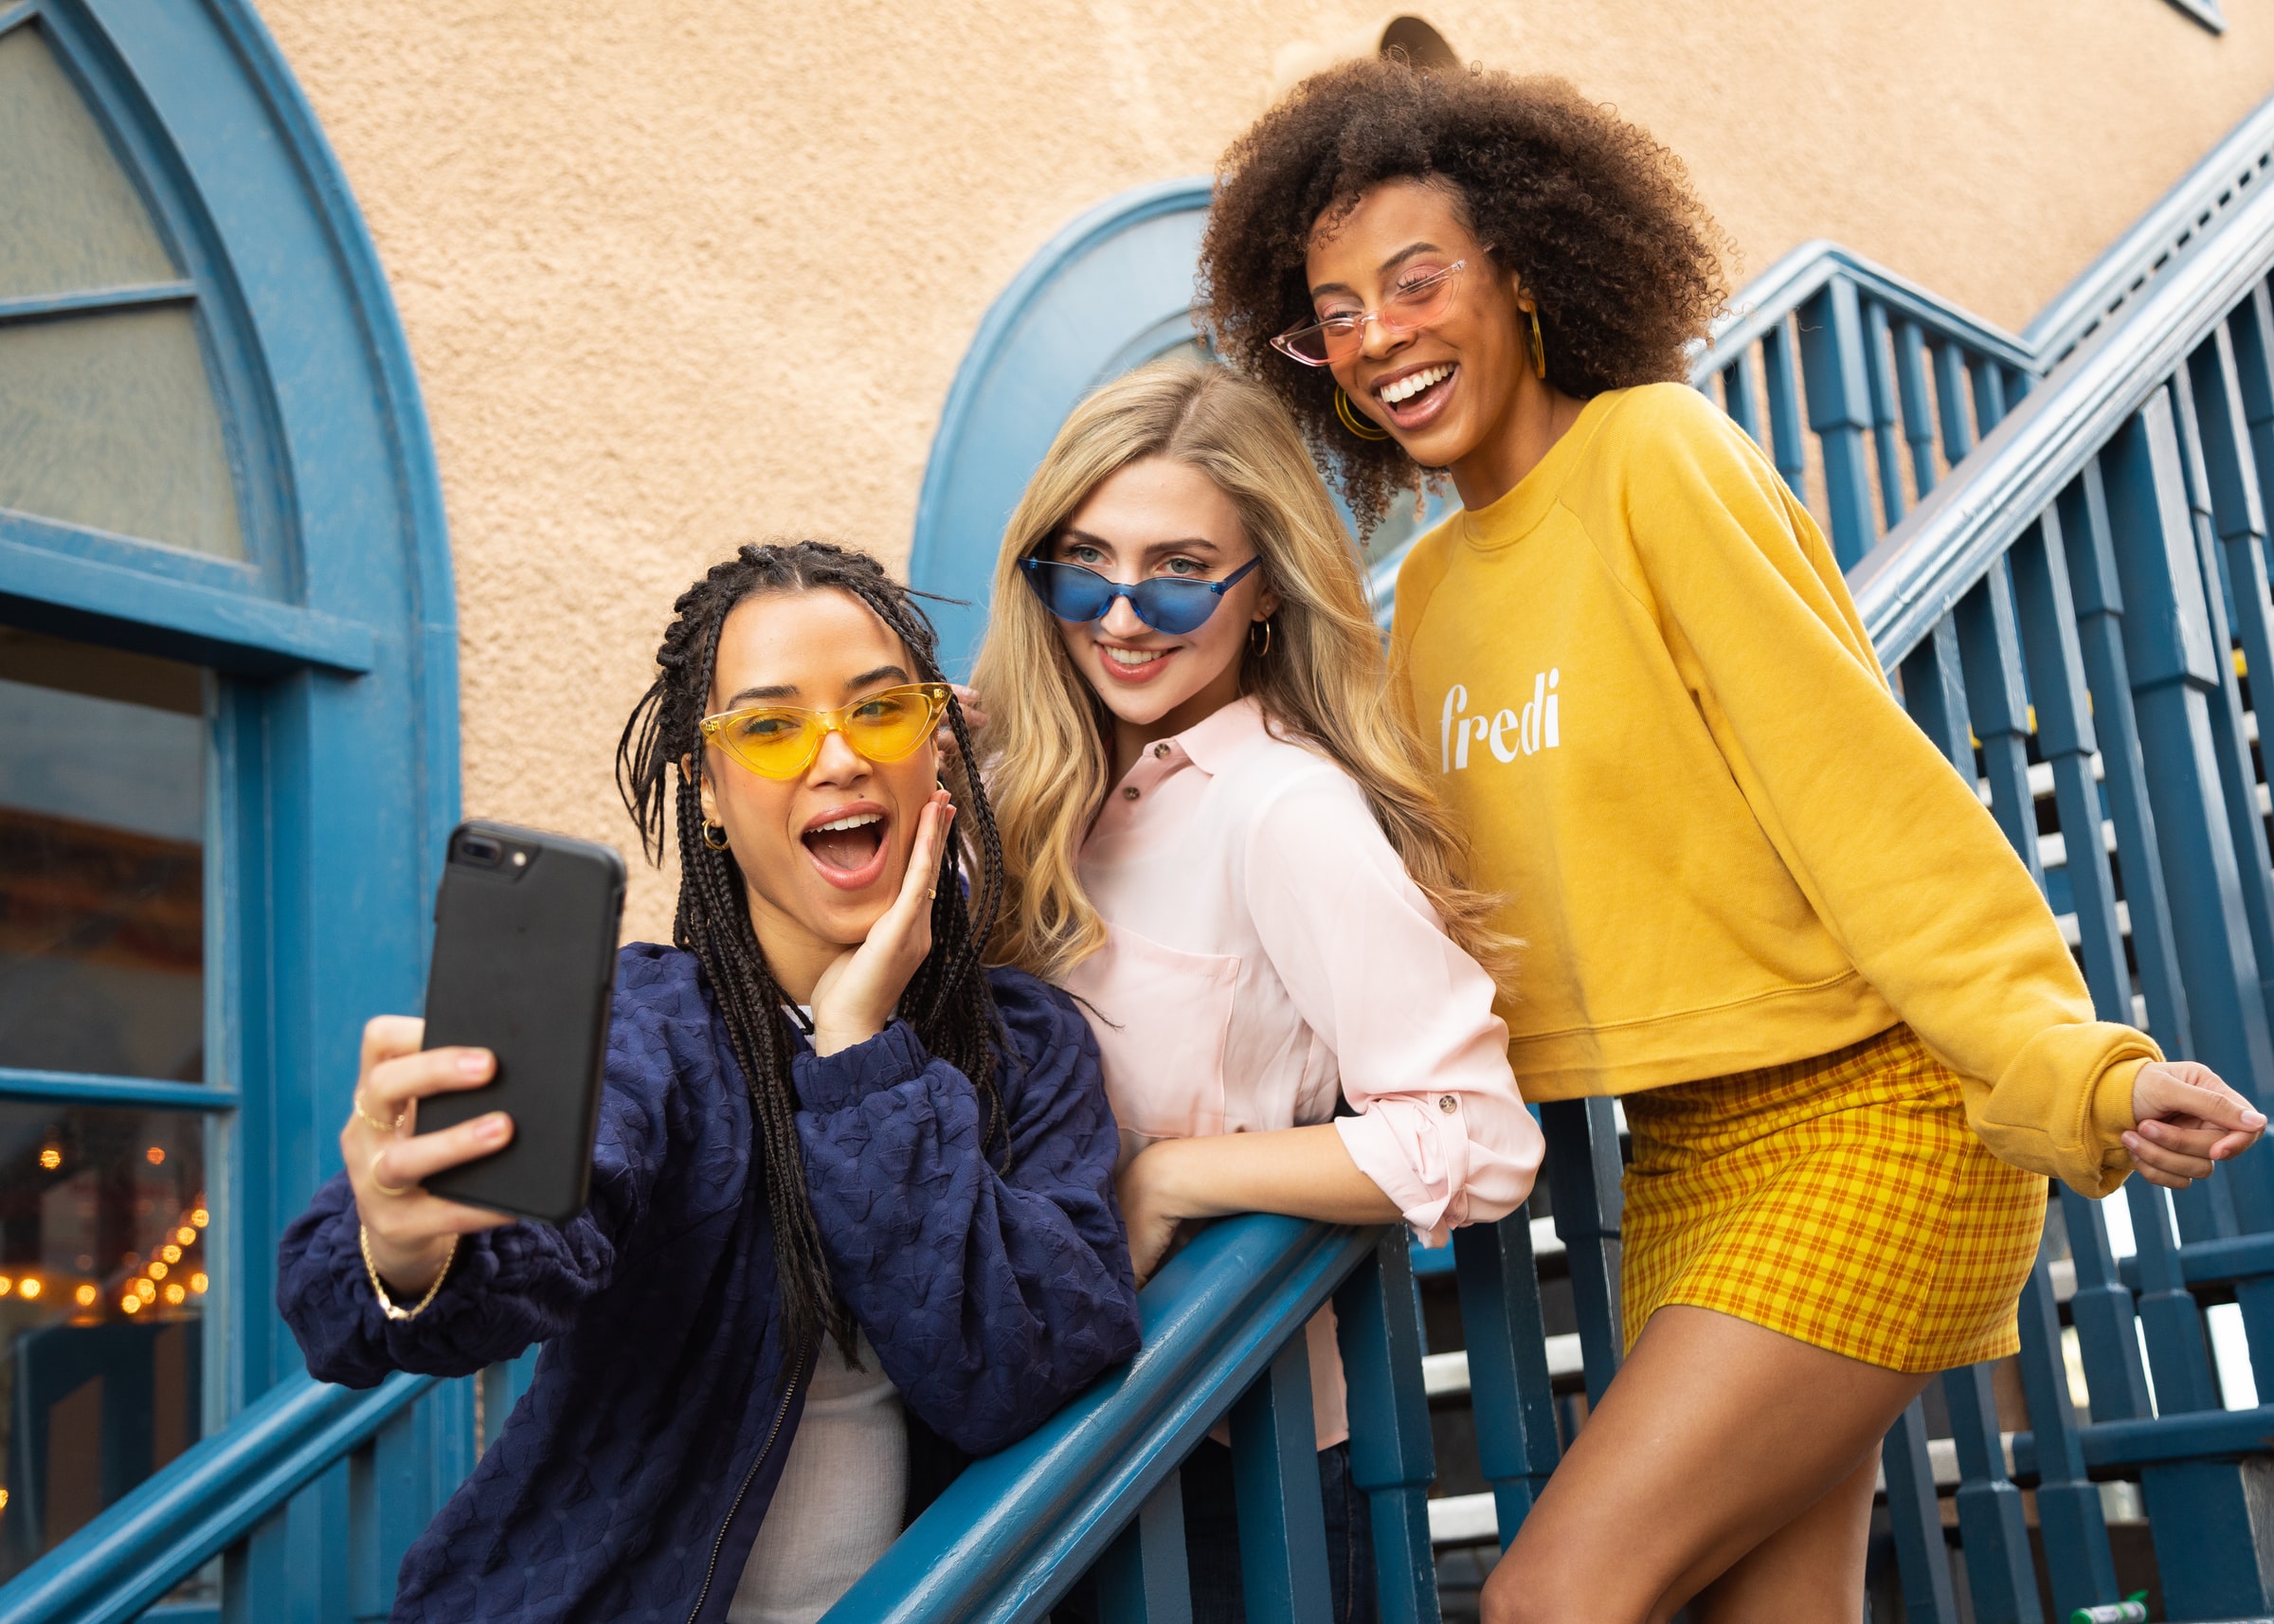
1584,1181
1934,692
2000,1576
1510,1403
2224,478
1142,1578
2100,602
1787,449
1839,410
1879,376
1391,1456
1989,381
1918,405
2174,670
2169,1316
1738,398
1275,1482
2107,1329
2055,665
2252,328
1998,707
2078,1561
1951,391
2205,1524
1921,1558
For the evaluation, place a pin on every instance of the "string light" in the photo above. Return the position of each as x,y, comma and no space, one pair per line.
155,1155
51,1158
6,1285
157,1272
198,1218
171,1253
174,1294
187,1236
29,1286
197,1281
145,1291
85,1296
131,1304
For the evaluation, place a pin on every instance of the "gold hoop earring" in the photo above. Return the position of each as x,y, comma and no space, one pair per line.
1539,347
1266,625
1351,421
719,844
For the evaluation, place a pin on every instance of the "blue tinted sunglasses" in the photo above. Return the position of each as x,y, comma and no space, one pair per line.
1165,602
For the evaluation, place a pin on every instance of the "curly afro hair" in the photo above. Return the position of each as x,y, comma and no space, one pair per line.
1596,219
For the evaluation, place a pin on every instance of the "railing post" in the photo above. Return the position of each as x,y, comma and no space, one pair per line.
1839,410
1511,1400
1934,692
2100,600
1276,1480
1142,1578
1950,402
1583,1180
2174,670
1989,650
1392,1458
1738,398
1786,448
1918,413
2077,1557
2000,1573
1921,1556
1879,377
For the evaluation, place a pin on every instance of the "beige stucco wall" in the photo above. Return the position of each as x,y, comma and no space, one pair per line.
684,272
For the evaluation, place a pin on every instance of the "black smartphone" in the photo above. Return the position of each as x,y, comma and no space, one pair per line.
524,926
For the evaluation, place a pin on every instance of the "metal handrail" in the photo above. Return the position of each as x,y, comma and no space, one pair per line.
1929,561
1016,1528
216,1492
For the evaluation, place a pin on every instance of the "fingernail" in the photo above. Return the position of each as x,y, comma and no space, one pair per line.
2131,1142
492,1125
473,1064
2254,1119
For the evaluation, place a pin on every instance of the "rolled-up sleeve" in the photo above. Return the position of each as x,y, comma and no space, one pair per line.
1408,1014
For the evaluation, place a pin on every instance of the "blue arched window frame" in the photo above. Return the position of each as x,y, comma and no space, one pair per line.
333,732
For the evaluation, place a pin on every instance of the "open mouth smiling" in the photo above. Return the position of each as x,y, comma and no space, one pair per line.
847,844
1416,395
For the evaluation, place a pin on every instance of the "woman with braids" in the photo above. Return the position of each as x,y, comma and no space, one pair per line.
1756,902
841,1168
1220,837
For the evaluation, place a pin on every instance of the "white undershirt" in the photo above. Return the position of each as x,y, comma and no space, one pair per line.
839,1503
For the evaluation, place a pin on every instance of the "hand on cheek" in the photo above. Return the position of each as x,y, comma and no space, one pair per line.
856,995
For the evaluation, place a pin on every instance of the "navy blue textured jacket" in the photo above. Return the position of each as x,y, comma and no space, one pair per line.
630,1480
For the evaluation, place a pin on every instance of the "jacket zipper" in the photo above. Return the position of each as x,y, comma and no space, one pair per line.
797,1375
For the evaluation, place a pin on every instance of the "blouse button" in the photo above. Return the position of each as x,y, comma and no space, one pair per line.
1446,1103
1130,793
1161,752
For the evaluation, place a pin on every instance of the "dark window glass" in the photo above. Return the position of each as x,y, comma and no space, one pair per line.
101,860
102,1283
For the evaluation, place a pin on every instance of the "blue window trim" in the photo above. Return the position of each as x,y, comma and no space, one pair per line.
1106,294
334,715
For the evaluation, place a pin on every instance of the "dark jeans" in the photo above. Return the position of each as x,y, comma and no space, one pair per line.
1211,1544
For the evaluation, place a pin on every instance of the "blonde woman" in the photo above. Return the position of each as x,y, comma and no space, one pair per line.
1219,838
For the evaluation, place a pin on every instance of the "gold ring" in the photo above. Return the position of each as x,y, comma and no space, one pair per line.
371,1121
933,892
382,1186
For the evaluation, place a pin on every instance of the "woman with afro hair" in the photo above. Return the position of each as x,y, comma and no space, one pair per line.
1757,905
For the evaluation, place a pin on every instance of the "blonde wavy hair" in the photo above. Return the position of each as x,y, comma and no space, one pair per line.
1322,681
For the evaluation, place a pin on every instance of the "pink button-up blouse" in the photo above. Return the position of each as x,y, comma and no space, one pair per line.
1265,948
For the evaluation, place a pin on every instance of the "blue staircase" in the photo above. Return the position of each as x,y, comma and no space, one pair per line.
2058,540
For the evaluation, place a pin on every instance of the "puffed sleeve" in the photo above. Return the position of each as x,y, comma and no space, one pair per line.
1440,1126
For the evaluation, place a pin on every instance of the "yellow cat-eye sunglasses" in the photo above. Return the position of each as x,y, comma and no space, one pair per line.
781,741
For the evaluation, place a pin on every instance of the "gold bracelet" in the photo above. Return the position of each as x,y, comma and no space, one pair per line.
387,1304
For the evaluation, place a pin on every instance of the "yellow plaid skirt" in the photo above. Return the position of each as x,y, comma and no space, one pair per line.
1842,1201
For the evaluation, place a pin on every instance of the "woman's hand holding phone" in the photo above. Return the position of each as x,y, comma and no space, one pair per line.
855,997
410,1233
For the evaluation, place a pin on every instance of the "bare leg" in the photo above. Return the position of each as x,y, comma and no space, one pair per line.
1717,1440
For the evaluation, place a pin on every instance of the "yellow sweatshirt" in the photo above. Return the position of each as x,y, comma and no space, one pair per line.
1721,841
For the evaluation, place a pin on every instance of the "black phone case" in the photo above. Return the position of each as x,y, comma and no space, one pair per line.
524,926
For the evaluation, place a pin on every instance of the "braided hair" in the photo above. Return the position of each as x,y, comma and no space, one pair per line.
949,1000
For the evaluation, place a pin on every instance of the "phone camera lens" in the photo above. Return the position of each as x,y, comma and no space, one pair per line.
481,849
